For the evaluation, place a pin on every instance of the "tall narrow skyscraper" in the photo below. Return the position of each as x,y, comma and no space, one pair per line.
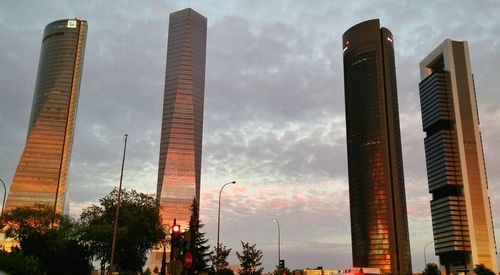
182,125
460,206
42,173
379,224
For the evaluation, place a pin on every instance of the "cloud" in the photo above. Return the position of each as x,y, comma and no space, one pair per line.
316,214
274,109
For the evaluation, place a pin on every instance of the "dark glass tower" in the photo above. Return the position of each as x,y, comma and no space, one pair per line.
182,124
379,224
460,206
42,171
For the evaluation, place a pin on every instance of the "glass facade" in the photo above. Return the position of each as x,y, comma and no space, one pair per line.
379,223
460,207
42,173
182,124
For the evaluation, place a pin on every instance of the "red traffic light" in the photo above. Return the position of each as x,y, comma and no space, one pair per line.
176,229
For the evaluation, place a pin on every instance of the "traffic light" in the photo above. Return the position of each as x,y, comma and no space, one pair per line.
176,230
184,242
175,236
176,241
282,264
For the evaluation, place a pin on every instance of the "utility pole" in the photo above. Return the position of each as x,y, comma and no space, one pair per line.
113,246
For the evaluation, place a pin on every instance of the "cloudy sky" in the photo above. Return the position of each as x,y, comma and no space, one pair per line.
274,109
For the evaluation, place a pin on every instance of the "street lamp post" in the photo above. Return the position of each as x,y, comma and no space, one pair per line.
218,220
425,252
279,240
4,194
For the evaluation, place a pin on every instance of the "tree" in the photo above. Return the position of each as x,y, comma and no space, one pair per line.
250,260
139,229
51,238
480,269
21,223
15,263
199,243
431,269
281,271
224,271
219,260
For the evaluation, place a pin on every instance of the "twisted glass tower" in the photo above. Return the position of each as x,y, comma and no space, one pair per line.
179,168
379,224
42,173
460,206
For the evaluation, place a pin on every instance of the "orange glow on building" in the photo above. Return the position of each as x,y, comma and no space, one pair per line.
42,173
460,207
179,170
379,224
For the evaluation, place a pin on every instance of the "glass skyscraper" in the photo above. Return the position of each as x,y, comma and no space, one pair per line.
379,223
42,173
460,206
179,168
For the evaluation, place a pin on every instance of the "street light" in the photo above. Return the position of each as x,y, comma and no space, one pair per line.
425,254
279,240
4,194
218,220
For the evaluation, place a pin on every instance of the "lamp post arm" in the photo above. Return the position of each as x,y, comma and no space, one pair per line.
4,195
279,240
218,220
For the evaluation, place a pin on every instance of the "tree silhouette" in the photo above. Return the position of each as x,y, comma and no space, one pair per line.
250,260
199,243
51,239
220,262
480,269
139,229
431,269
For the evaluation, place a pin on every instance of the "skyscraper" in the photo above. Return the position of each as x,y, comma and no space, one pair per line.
379,224
460,206
42,173
182,125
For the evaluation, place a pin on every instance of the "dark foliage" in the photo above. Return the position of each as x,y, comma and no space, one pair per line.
224,271
281,271
220,262
480,269
52,239
139,229
431,269
199,243
16,263
250,260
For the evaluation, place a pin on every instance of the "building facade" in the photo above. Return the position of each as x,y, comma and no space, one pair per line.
460,206
379,223
179,168
42,173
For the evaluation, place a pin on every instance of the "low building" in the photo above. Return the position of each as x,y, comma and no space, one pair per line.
315,271
362,271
